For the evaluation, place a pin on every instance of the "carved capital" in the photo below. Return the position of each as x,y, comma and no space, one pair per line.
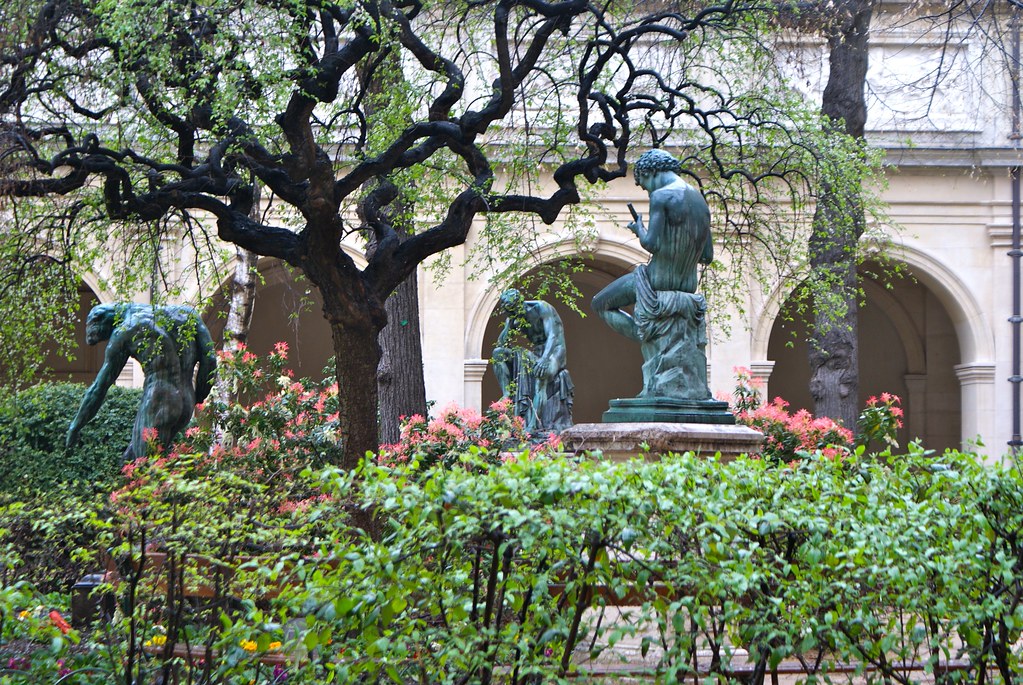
977,373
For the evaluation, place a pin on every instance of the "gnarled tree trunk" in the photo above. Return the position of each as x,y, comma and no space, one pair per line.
839,223
400,381
356,360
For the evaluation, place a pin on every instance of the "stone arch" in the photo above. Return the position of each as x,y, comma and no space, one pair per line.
92,282
609,260
915,355
976,343
618,255
87,359
931,343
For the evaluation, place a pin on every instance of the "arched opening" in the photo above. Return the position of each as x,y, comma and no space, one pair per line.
603,364
287,309
84,361
907,346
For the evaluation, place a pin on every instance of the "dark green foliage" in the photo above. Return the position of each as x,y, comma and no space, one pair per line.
509,574
49,541
33,425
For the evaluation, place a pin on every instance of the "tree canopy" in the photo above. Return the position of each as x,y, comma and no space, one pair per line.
147,122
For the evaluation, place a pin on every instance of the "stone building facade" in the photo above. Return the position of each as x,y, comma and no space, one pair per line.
941,340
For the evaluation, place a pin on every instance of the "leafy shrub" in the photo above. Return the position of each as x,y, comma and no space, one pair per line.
507,572
789,437
33,426
279,423
462,435
880,420
50,539
40,624
510,570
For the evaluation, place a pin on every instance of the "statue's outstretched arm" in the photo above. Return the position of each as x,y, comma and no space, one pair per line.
114,360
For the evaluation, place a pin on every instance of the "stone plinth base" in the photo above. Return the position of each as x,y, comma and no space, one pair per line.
622,441
666,410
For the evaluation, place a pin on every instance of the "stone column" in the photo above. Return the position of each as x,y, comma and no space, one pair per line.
915,406
976,381
473,370
761,372
131,376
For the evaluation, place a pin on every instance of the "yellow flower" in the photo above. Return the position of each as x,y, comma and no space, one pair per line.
275,645
248,645
156,640
22,615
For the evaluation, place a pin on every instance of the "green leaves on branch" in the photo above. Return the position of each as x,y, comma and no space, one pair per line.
514,571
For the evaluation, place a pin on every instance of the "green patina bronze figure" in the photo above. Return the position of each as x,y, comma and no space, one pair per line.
668,318
535,379
168,342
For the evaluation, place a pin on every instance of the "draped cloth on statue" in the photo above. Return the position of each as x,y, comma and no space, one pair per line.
673,333
544,404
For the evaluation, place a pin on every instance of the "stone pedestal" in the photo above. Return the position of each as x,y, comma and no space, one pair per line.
622,441
667,410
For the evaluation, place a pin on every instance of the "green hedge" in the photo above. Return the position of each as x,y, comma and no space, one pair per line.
506,575
33,426
876,562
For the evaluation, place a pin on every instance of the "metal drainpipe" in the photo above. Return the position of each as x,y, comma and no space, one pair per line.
1015,253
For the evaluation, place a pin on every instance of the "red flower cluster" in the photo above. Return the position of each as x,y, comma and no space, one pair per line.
788,436
455,432
58,620
881,419
276,427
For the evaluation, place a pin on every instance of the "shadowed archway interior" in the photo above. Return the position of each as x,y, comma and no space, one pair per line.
287,309
86,359
908,347
603,364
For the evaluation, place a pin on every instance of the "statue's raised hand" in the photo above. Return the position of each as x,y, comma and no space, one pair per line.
636,225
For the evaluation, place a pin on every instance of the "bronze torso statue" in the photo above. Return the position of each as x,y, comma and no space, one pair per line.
168,342
668,316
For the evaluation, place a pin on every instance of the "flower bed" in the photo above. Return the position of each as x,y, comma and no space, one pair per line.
483,567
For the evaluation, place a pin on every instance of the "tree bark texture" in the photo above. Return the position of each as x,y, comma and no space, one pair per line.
400,380
242,301
356,362
838,224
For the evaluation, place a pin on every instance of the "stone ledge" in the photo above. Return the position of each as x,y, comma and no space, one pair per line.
622,441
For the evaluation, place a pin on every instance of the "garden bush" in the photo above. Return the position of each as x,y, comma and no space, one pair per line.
455,432
488,564
789,437
505,573
33,426
49,491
